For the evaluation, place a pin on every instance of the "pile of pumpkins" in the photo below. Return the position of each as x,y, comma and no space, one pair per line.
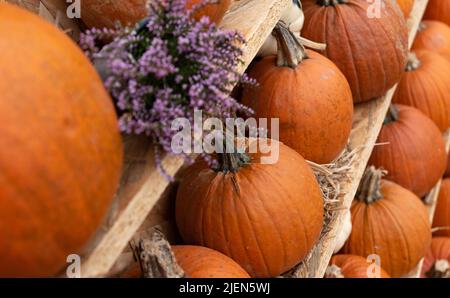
61,153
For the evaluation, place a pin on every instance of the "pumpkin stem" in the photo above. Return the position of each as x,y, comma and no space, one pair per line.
156,258
231,162
413,62
330,2
333,271
392,114
369,189
290,51
440,269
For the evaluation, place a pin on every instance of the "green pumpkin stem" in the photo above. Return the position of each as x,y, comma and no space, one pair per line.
440,269
290,51
413,62
369,189
392,114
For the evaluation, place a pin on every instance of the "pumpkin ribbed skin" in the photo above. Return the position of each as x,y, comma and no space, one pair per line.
300,98
60,147
352,266
203,262
396,228
371,52
427,87
439,250
406,6
266,217
101,13
413,152
438,10
433,36
442,213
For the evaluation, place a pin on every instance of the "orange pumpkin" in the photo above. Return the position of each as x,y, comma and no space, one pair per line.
389,221
351,266
299,95
442,213
426,86
437,259
438,10
266,217
433,36
412,150
370,51
60,147
100,13
199,262
406,6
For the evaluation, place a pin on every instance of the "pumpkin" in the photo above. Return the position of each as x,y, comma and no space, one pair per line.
442,214
199,262
438,10
371,52
412,150
265,216
60,147
389,221
351,266
433,36
406,6
437,259
300,94
100,13
426,86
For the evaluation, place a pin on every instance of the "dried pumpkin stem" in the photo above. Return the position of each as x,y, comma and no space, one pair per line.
290,51
333,271
232,162
413,62
440,269
392,114
369,189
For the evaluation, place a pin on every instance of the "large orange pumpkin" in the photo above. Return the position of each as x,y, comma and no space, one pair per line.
406,6
389,221
300,94
433,36
199,262
266,217
426,86
351,266
438,10
442,214
60,148
101,13
370,51
412,150
437,259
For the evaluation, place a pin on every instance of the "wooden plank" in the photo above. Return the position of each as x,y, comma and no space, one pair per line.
368,120
142,186
431,202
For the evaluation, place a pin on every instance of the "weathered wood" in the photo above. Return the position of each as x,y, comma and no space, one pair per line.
368,120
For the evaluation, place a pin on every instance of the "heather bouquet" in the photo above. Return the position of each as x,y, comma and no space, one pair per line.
167,67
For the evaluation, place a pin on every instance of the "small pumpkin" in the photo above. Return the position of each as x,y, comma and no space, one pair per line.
199,262
437,259
351,266
371,52
433,36
438,10
299,87
412,150
389,221
442,214
100,13
265,216
60,147
406,6
426,86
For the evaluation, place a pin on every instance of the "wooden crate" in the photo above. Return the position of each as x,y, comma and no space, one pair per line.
145,198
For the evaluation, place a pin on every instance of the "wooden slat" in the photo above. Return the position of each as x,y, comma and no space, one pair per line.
368,120
431,202
142,185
